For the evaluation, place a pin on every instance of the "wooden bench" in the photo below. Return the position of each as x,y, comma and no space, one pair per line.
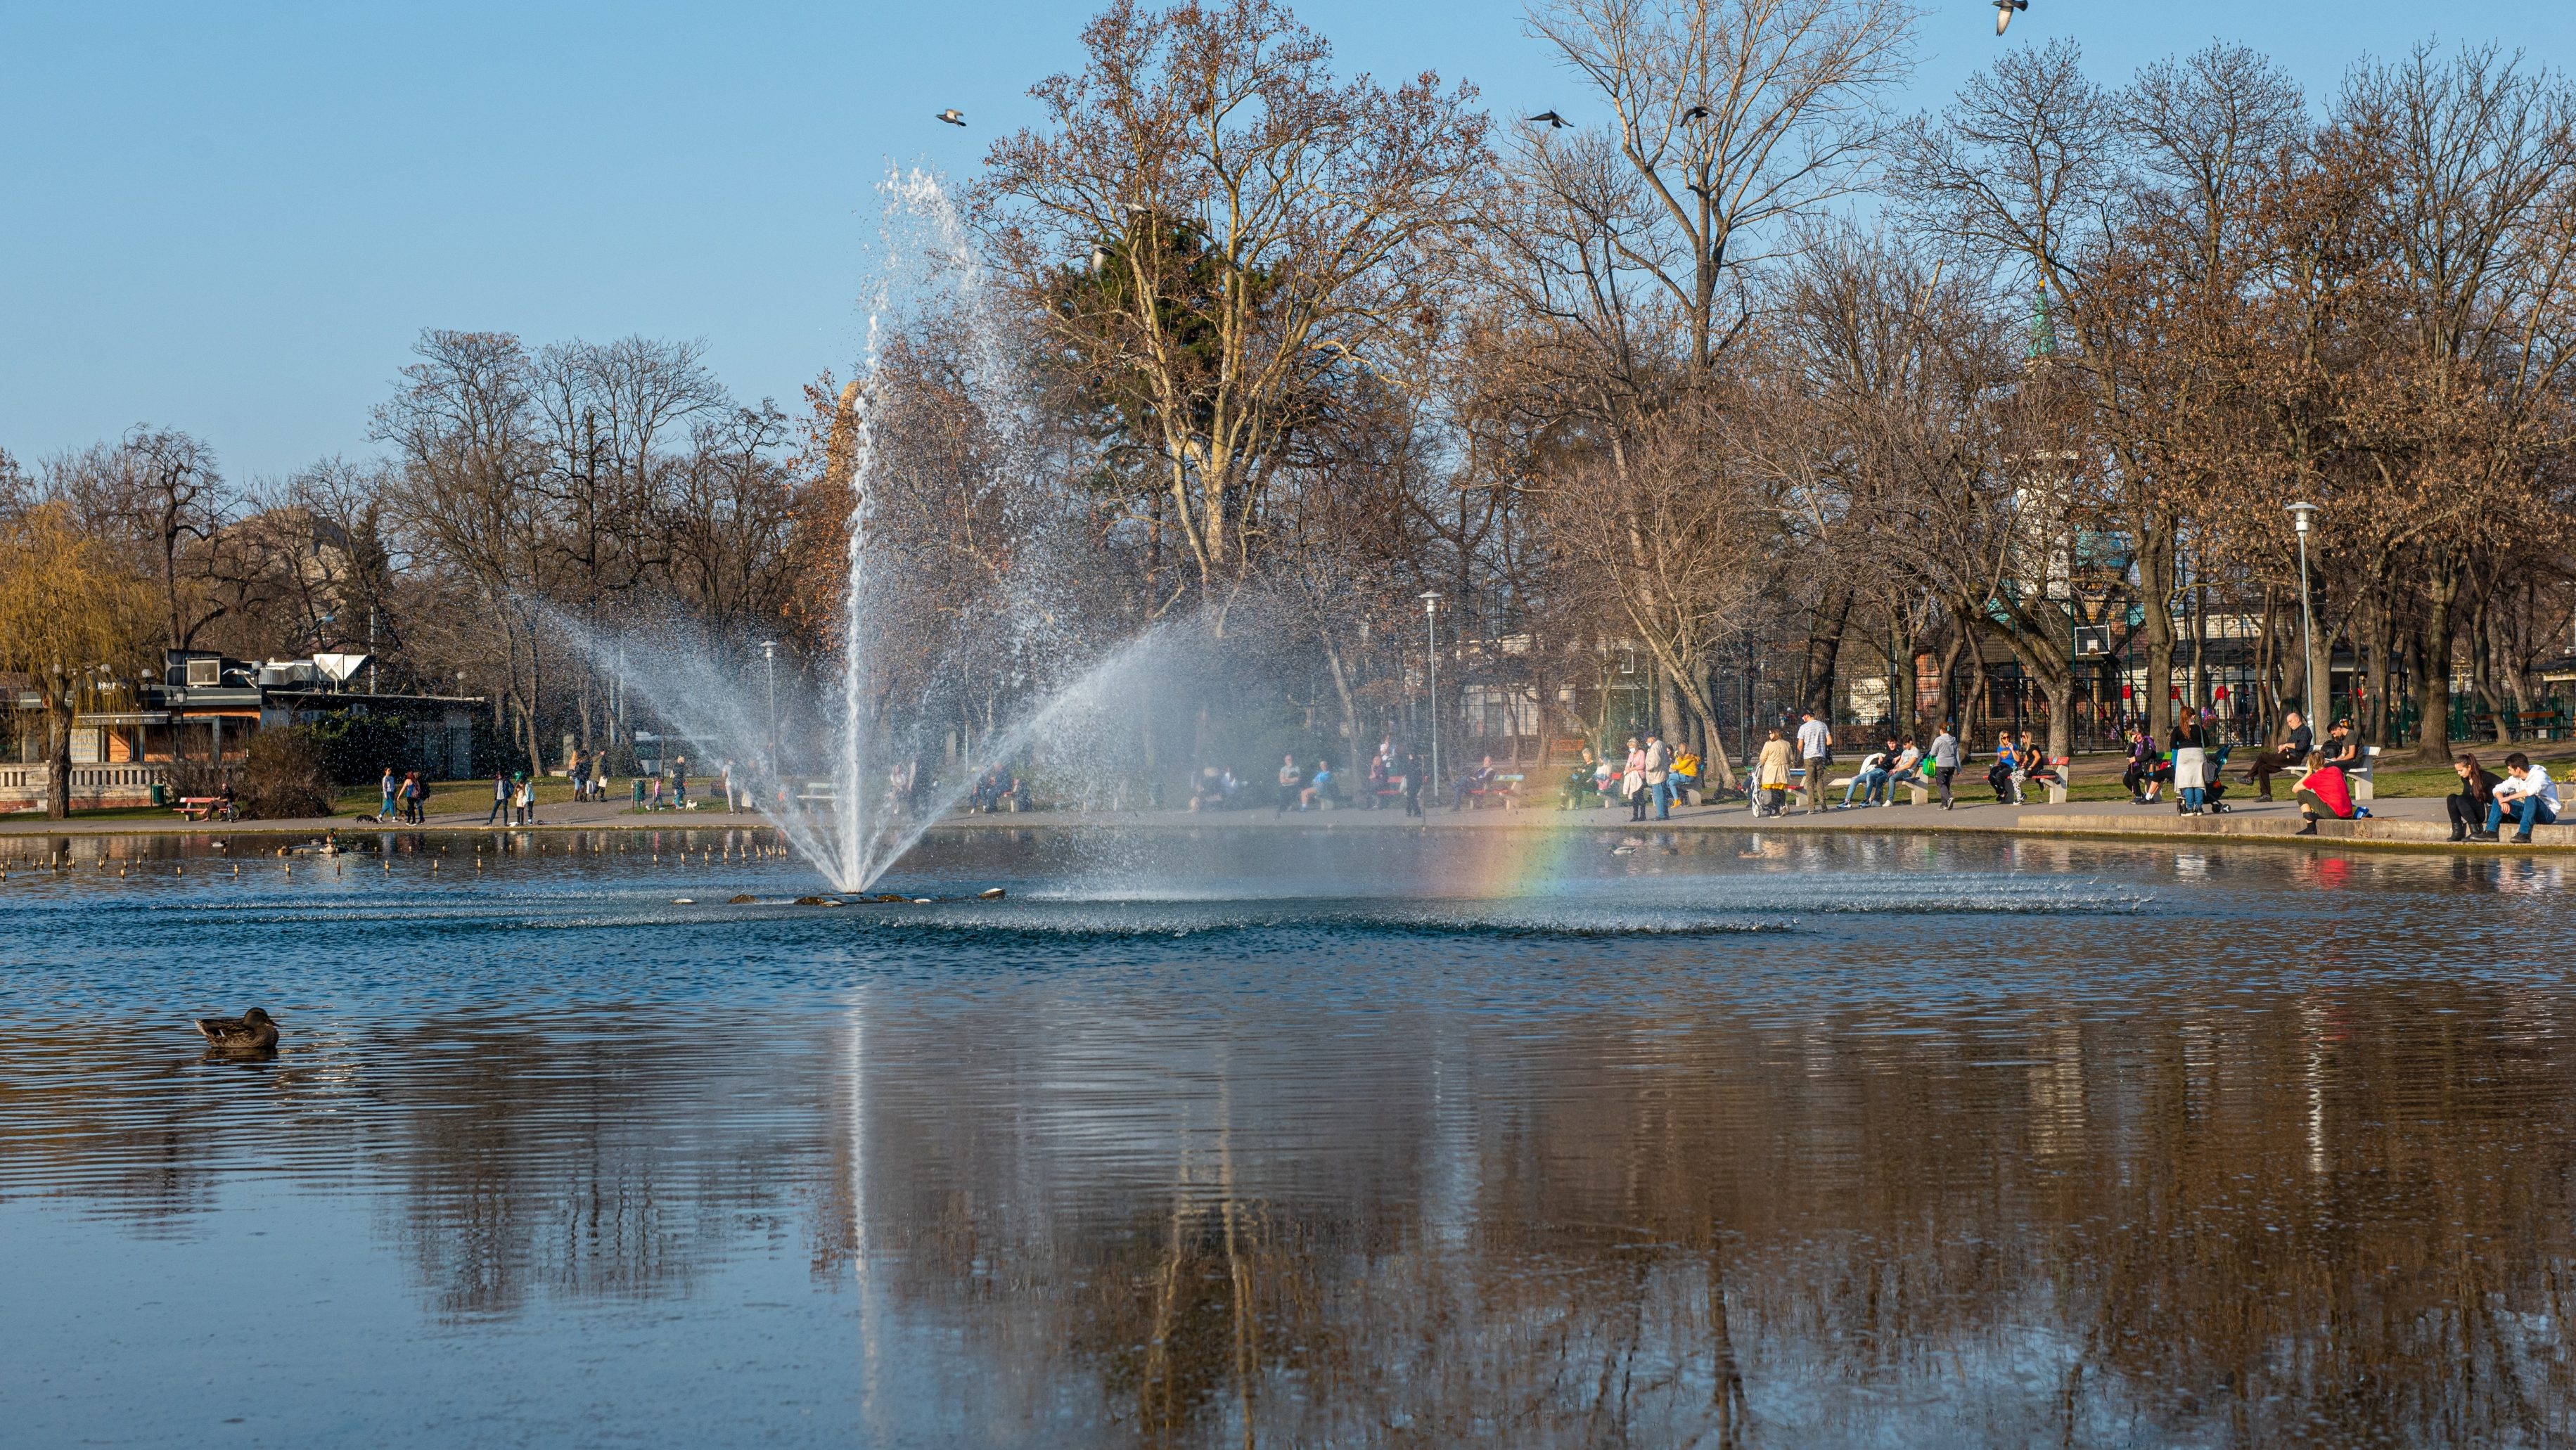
1505,789
199,807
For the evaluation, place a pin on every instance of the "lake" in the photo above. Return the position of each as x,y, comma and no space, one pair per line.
1289,1138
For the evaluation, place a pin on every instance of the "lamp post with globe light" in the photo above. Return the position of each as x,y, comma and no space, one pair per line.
1431,658
2301,512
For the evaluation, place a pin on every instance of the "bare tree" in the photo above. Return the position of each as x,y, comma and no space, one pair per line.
1252,224
1727,117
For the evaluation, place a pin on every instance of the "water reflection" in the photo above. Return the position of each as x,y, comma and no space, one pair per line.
2244,1165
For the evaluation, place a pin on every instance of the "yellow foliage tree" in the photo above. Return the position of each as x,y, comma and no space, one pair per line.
71,613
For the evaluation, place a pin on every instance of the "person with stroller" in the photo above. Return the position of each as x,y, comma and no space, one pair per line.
2190,765
1771,777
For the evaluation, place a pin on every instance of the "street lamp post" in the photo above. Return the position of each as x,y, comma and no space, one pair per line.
769,657
2308,623
1431,658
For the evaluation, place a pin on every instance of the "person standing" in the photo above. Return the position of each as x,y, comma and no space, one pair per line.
1632,780
1771,777
679,782
1659,775
500,798
1412,782
2190,764
1945,762
1291,780
390,787
1816,751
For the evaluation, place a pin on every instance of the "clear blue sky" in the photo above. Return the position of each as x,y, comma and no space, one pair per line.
234,218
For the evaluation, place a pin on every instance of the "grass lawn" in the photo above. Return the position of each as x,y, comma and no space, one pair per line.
2097,777
451,796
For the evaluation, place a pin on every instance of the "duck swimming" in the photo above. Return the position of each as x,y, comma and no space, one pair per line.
253,1031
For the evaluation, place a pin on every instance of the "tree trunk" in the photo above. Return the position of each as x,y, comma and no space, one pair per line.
1824,651
2156,586
2433,682
2379,621
58,713
1948,670
1350,706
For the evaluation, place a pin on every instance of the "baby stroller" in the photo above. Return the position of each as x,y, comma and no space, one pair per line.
2213,771
2213,795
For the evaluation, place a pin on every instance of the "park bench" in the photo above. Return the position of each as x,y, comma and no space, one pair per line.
2359,777
1505,790
199,807
2527,725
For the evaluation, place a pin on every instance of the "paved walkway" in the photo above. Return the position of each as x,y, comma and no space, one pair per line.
2407,822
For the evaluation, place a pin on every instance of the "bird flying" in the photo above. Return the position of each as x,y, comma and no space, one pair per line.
1554,121
956,117
1696,113
2004,12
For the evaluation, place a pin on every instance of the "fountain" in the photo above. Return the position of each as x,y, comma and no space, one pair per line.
856,821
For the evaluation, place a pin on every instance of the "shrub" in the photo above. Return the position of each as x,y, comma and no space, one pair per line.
355,749
285,777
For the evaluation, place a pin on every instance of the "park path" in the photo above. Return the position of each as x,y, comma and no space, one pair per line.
2394,822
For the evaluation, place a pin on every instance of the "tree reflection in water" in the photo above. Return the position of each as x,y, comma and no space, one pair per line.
2030,1228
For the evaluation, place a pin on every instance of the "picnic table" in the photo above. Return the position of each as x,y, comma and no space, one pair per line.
202,807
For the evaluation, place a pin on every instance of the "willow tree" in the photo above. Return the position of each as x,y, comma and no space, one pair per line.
71,613
1214,226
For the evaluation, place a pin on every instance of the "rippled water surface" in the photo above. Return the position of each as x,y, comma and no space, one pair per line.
1298,1139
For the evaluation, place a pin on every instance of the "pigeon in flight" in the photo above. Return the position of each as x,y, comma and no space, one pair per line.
1554,121
2004,12
1695,113
956,117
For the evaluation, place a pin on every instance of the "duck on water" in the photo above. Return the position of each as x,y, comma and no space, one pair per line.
253,1031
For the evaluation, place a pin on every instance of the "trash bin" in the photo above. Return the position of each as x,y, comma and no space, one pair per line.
160,794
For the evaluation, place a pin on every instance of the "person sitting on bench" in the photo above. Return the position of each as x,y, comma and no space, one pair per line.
2293,751
1474,783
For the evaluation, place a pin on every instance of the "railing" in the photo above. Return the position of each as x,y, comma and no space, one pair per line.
123,783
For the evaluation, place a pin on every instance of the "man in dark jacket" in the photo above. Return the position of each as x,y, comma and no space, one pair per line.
2291,753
